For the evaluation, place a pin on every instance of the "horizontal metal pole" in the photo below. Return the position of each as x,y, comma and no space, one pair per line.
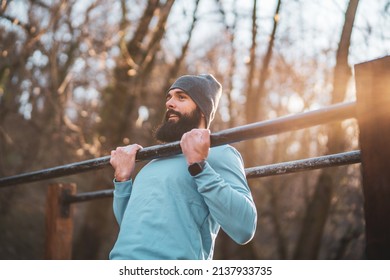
259,171
55,172
332,113
82,197
303,165
259,129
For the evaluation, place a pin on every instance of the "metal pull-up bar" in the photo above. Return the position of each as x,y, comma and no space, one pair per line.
259,129
281,168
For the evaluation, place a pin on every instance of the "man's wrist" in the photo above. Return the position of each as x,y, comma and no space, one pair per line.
121,178
196,167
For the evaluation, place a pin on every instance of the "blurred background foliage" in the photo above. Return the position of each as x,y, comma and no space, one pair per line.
79,78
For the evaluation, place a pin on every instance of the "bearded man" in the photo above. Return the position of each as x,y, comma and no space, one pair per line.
175,206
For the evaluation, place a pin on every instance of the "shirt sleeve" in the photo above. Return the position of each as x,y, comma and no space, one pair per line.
224,187
122,192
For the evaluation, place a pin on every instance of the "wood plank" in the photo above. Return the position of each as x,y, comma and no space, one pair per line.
59,222
373,114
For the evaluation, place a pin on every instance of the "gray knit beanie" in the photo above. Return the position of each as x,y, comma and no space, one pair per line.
204,90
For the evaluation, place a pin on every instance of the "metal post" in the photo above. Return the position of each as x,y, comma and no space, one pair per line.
373,114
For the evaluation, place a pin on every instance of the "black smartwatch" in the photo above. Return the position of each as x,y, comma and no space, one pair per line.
196,167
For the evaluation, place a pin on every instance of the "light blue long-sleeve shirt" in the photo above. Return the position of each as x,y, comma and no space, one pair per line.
168,214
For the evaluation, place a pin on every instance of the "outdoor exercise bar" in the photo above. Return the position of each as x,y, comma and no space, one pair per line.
335,112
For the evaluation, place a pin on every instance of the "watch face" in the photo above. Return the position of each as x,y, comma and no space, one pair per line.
195,168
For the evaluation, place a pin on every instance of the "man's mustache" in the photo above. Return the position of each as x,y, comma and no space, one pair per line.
172,112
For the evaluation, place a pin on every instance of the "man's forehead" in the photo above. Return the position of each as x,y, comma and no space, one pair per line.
177,91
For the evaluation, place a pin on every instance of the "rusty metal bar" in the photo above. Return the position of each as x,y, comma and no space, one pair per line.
259,129
257,172
303,165
82,197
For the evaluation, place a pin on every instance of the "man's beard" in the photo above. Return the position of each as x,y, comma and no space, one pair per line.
170,131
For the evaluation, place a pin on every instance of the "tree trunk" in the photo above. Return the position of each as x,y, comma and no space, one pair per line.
313,225
256,91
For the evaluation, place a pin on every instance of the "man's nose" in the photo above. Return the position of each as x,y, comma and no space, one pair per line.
170,103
